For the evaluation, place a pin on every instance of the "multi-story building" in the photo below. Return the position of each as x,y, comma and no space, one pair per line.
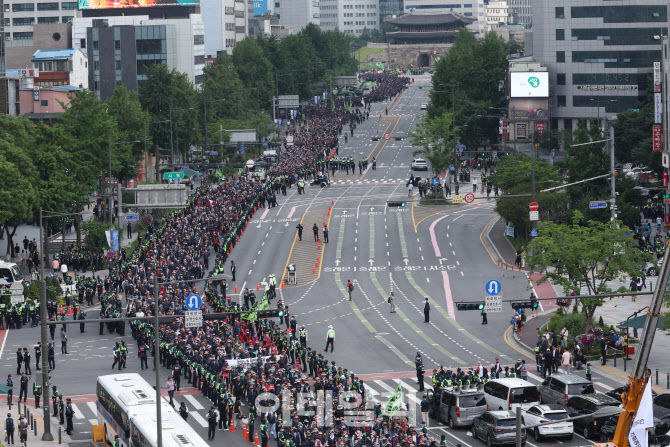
60,67
349,16
297,13
599,54
474,9
226,24
120,48
520,12
391,8
496,15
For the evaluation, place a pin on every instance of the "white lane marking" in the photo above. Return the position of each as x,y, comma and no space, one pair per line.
199,419
412,391
194,402
602,385
77,412
94,409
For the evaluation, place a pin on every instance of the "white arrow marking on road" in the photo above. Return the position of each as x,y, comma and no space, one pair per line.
371,261
337,262
442,259
286,224
372,208
258,226
406,261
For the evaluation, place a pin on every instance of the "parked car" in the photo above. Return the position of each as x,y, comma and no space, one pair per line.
496,428
538,414
616,393
419,164
557,389
590,404
424,106
656,434
457,407
507,394
662,405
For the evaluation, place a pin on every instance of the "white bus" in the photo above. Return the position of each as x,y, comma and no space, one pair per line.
127,407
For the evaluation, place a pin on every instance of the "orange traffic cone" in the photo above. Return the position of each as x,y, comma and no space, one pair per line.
282,285
319,247
238,238
332,202
236,288
328,211
258,286
313,270
232,427
245,433
256,441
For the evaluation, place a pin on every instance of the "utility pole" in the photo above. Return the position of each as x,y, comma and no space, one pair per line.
171,144
612,169
157,364
46,436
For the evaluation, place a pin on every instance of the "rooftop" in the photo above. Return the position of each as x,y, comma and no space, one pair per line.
54,55
432,19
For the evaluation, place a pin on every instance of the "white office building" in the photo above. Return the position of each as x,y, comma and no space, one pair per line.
496,15
297,13
474,9
226,24
520,12
349,16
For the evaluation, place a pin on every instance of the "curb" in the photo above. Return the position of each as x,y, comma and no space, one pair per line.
488,235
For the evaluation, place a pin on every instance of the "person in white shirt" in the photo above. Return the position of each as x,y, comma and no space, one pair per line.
567,360
63,270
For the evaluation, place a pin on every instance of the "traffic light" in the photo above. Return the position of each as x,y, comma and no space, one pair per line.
375,138
458,155
395,203
270,313
470,306
516,305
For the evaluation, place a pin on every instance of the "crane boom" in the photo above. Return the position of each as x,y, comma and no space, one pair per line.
638,378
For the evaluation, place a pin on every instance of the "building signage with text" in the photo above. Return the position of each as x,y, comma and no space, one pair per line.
658,138
529,84
606,87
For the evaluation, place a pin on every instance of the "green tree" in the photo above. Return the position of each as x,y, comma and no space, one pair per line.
18,194
512,176
96,238
221,82
586,254
166,90
124,106
255,72
436,139
87,129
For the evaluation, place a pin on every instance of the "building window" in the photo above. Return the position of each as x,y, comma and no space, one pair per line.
23,21
67,19
82,44
117,65
47,20
199,79
96,85
117,44
277,5
199,39
560,101
23,36
47,6
96,65
18,7
199,60
68,6
44,103
560,12
560,56
622,14
560,34
95,45
560,78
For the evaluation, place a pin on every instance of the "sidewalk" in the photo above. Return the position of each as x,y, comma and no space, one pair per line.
33,440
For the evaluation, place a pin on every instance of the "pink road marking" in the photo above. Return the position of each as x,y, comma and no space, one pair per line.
447,293
544,290
292,211
3,335
433,239
265,213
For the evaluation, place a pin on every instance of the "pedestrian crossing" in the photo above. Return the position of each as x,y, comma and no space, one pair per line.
359,181
378,391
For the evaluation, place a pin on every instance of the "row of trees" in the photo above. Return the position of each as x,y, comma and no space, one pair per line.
57,167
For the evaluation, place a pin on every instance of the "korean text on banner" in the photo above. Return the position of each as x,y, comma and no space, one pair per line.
644,420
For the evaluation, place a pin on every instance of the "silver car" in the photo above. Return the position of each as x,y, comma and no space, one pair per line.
558,388
459,408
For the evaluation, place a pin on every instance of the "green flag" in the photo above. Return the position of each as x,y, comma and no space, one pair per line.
369,65
219,174
332,105
307,127
394,404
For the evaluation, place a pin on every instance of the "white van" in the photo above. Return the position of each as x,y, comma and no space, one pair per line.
507,394
10,272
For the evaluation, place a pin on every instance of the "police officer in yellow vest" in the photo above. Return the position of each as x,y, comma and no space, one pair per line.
303,336
37,392
330,340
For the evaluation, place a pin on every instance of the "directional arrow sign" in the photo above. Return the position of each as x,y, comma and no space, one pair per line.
193,302
337,262
286,224
372,208
442,259
406,261
493,287
371,261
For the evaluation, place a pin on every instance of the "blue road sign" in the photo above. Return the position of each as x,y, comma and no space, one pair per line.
132,217
213,154
493,287
597,205
533,233
193,302
183,168
436,181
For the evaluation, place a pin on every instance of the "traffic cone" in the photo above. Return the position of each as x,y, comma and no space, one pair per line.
256,441
313,270
319,247
245,433
232,427
332,202
324,223
236,288
258,285
282,285
238,238
328,211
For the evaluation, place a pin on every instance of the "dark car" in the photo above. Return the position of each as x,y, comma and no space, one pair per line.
592,405
662,405
616,392
496,428
657,433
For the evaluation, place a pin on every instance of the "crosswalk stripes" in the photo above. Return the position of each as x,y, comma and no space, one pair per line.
77,413
192,400
199,419
603,386
92,406
411,391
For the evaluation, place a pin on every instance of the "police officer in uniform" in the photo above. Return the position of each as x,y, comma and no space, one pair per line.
37,392
303,336
38,354
299,227
252,419
117,356
418,362
69,414
124,354
264,432
176,374
142,353
54,399
211,420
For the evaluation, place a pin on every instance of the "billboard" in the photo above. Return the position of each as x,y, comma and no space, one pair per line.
260,7
124,4
529,84
534,109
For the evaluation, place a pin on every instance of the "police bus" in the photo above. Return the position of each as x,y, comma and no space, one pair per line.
127,407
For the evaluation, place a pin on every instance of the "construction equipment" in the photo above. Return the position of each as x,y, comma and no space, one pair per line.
639,375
